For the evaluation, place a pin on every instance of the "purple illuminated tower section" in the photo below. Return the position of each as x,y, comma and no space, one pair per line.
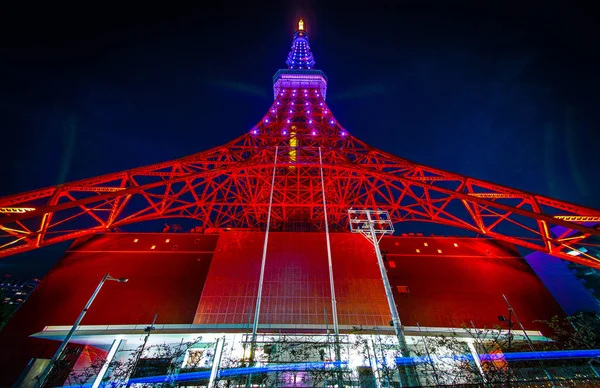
300,72
300,56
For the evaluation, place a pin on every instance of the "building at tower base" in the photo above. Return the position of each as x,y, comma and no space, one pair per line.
205,285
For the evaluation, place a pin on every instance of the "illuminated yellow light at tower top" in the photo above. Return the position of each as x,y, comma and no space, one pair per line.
300,25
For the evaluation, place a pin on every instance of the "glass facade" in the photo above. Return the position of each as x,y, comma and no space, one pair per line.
296,289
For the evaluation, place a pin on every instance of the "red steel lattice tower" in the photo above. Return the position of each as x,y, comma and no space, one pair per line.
229,186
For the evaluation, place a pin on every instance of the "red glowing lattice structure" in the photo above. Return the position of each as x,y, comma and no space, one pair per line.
229,187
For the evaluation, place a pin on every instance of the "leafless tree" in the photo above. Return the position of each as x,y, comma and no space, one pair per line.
122,369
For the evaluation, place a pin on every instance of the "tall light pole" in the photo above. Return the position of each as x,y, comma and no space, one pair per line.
373,225
42,379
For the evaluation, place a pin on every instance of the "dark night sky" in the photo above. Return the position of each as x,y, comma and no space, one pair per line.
502,91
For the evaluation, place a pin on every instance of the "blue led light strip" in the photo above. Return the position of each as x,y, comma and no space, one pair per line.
302,366
523,356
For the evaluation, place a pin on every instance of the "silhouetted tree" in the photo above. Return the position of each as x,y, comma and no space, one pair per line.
6,311
578,331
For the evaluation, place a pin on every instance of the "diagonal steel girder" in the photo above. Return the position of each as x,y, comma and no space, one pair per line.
393,183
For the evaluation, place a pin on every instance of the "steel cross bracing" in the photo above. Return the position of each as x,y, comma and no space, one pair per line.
229,187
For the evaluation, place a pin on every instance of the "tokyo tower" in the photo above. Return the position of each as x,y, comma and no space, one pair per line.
295,158
299,174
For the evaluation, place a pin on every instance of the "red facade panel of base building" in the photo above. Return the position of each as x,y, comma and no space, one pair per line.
212,279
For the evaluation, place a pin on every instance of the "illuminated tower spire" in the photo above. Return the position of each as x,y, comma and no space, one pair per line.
300,56
300,72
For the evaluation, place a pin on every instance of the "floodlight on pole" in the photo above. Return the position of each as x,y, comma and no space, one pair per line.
43,377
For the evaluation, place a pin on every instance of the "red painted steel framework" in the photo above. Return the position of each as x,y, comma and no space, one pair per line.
229,186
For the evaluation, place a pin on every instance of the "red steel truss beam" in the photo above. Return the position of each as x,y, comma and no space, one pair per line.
228,186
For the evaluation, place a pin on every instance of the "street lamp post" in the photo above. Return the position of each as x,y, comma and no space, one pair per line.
42,379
